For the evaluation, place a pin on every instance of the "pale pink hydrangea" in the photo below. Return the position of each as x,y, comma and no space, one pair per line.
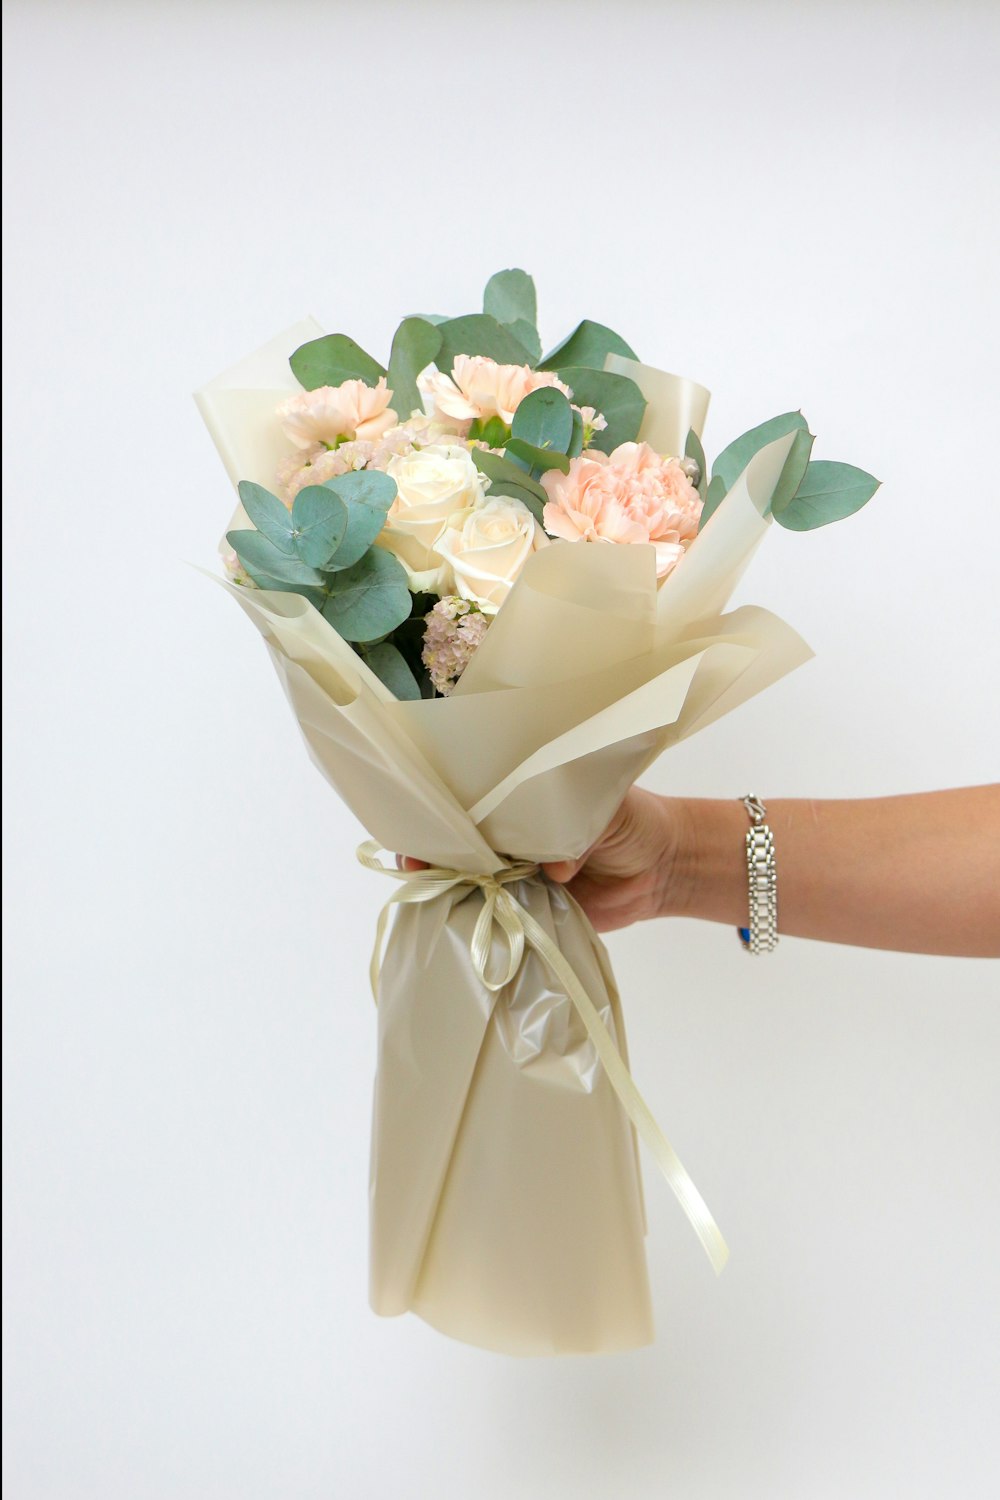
318,464
234,569
333,412
478,389
631,495
454,630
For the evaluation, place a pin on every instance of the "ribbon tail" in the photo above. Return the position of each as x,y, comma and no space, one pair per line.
632,1101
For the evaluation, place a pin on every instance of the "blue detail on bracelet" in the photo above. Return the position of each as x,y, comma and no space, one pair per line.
744,933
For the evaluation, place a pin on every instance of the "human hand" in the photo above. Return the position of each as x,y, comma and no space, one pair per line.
631,872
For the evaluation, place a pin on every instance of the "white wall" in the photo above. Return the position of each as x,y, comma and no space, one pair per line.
795,205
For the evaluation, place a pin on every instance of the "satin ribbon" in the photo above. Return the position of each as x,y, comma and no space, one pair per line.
502,912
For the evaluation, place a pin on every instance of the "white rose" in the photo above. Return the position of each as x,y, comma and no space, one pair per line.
437,487
489,549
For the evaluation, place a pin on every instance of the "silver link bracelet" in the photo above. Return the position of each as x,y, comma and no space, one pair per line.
761,935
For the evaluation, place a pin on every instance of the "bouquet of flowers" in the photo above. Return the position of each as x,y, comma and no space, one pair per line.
482,690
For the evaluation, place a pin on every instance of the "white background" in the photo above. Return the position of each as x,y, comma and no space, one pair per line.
796,206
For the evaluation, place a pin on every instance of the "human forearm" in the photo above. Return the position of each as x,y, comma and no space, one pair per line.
914,873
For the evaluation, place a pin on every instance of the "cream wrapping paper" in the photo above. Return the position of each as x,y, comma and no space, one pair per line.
506,1203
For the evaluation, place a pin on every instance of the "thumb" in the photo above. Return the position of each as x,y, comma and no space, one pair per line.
562,870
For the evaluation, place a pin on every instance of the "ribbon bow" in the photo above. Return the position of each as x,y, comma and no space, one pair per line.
503,913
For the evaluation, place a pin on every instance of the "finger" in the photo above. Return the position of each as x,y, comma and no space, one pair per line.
404,862
562,870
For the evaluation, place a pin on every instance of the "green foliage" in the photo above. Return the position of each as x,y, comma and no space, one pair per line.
367,495
575,446
616,397
713,498
331,360
415,345
389,665
828,492
370,599
509,478
537,459
478,333
319,521
793,470
510,298
693,449
268,514
544,419
587,345
259,555
733,460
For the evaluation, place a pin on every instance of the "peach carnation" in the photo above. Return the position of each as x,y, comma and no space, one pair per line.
332,412
631,495
478,388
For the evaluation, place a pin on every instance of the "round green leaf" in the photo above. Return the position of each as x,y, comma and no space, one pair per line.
500,470
370,599
616,397
510,298
537,459
259,555
479,334
544,419
414,347
367,495
319,518
389,665
331,360
587,345
268,514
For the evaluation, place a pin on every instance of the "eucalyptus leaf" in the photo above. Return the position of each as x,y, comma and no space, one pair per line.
616,397
268,514
511,491
320,519
537,458
370,599
390,667
576,437
331,360
415,345
527,334
258,554
693,449
500,470
477,333
828,492
733,460
510,298
367,495
714,496
793,471
587,345
315,596
544,419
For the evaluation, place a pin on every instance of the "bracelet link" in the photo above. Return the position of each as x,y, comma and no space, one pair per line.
761,934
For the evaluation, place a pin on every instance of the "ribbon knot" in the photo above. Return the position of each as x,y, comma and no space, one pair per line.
503,915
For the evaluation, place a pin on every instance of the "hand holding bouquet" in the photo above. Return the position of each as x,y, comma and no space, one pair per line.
482,690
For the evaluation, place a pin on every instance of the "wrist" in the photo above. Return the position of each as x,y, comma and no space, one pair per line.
707,875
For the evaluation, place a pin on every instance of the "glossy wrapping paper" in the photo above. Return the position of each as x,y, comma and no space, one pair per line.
506,1204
